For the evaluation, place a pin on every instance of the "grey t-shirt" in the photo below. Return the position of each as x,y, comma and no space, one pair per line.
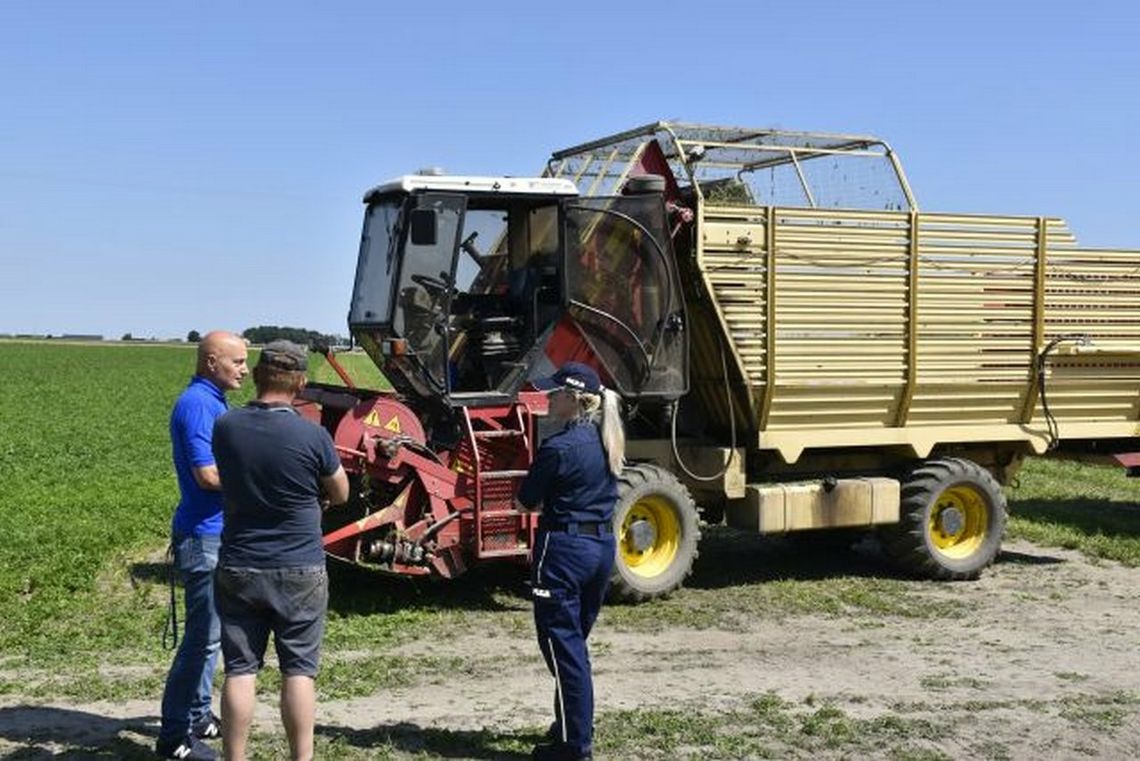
270,461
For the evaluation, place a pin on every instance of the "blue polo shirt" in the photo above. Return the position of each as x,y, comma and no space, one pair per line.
191,432
571,477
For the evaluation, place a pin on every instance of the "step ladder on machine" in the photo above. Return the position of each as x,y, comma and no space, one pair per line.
500,438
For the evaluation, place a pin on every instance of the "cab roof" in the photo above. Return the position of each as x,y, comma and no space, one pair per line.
546,186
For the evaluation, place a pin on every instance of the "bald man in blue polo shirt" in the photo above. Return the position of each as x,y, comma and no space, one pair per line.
196,531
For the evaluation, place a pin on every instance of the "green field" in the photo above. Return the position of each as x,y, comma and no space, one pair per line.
87,491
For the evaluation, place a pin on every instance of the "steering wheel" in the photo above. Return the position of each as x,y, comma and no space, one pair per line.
435,286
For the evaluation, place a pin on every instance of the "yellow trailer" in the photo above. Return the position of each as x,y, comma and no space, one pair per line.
857,361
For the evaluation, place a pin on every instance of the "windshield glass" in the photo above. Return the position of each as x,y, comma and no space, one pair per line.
372,292
425,285
507,290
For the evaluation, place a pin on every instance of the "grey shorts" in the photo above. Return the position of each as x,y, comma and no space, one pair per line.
290,602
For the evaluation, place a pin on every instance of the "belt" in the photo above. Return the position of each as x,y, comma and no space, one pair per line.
585,528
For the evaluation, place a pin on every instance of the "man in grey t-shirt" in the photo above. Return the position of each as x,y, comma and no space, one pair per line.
271,573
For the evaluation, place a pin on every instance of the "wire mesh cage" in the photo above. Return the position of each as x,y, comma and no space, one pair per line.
745,167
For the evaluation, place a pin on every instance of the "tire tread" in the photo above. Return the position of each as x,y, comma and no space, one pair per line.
906,542
636,477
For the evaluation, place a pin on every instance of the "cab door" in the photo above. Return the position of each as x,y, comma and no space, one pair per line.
624,295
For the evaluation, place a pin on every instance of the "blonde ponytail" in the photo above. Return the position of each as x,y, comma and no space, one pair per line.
604,411
613,433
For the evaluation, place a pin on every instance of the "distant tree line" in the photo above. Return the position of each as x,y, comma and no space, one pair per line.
263,334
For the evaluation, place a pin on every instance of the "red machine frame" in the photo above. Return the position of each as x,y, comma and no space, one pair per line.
438,511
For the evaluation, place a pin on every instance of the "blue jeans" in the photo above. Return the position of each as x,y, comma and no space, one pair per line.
186,699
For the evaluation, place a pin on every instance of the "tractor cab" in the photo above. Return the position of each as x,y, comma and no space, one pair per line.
468,286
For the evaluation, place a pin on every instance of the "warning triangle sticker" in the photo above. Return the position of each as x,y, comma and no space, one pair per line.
372,419
393,425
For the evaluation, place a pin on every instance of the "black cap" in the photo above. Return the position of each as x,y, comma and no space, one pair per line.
284,355
572,375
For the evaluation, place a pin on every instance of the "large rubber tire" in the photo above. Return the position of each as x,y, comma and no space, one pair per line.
657,530
951,521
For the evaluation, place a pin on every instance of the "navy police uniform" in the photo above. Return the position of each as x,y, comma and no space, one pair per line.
573,557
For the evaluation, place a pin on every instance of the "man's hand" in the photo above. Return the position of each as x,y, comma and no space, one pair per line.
336,487
207,477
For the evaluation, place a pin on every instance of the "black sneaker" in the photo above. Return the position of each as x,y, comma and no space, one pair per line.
209,727
189,749
558,752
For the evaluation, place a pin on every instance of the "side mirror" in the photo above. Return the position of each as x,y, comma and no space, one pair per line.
423,227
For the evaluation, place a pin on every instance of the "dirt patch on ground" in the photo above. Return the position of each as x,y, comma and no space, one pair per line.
1039,660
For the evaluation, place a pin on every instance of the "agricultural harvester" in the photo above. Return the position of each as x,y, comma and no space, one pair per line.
798,347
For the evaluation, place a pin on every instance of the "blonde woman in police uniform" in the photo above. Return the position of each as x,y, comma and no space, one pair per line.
573,481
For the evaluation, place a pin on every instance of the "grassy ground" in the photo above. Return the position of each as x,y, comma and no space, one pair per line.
359,366
86,494
763,726
1093,509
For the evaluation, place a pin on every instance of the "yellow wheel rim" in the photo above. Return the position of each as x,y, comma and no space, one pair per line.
650,536
959,521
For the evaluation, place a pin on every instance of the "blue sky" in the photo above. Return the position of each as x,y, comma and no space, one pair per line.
191,165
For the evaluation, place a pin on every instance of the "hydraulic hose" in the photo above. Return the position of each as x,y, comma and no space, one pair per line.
731,422
1054,432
